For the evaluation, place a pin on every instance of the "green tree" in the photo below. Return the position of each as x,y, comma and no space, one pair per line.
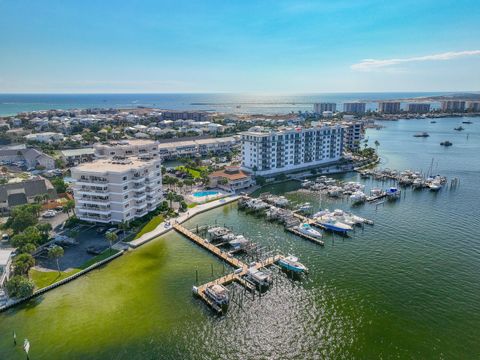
56,252
19,287
22,263
59,185
44,229
111,237
69,206
22,220
171,198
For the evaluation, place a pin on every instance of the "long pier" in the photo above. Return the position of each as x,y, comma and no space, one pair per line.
237,275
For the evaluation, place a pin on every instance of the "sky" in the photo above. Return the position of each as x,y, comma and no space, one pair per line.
264,46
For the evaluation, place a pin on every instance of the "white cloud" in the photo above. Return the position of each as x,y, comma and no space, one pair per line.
373,64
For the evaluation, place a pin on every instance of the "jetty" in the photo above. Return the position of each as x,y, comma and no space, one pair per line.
237,275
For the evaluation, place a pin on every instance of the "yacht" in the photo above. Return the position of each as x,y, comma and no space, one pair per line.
358,197
258,277
435,185
392,193
291,263
330,223
421,134
218,294
239,242
308,230
459,128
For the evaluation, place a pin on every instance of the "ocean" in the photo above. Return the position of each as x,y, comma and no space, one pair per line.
11,104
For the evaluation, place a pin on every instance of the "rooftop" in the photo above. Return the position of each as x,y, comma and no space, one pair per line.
115,165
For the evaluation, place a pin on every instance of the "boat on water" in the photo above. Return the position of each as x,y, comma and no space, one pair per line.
291,263
358,197
258,277
305,207
433,122
435,185
239,242
459,128
306,229
332,224
446,143
467,122
218,294
417,183
421,134
392,193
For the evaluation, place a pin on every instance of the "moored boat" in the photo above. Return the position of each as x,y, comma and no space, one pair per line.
218,294
291,263
306,229
258,277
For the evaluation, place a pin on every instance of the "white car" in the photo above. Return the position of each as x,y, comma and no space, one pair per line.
49,214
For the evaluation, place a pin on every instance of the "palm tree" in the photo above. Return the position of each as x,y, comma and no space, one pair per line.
56,252
124,226
170,197
46,197
38,199
69,205
111,237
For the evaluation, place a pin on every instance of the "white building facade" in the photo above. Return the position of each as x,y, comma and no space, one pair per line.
117,190
269,152
126,148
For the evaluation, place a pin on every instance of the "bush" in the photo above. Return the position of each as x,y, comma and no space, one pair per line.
19,287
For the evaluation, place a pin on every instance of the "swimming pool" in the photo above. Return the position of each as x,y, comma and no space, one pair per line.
206,193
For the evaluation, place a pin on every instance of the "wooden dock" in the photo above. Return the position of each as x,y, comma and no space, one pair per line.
237,275
305,236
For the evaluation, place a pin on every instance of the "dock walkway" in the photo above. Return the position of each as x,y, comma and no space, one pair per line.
237,275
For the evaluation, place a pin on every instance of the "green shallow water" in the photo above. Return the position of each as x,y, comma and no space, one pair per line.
405,288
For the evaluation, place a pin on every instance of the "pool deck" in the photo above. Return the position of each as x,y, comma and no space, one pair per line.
161,229
214,194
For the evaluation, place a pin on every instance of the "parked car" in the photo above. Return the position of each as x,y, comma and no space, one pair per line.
49,214
5,237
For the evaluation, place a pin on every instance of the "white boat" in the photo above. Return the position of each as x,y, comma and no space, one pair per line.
258,277
392,193
218,294
306,229
330,223
239,242
435,185
358,197
305,207
291,263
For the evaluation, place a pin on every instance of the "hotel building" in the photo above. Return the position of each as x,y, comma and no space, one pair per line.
474,106
113,190
354,108
453,105
200,147
269,152
319,108
418,108
389,107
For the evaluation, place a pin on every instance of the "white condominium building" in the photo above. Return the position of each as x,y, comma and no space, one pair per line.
319,108
116,190
268,152
126,148
200,147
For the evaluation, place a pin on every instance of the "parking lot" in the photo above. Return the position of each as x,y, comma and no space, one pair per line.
76,255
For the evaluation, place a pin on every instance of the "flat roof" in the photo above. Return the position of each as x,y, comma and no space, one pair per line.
112,165
76,152
128,142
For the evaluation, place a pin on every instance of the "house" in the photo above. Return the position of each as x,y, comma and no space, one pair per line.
232,178
46,137
77,156
24,192
30,156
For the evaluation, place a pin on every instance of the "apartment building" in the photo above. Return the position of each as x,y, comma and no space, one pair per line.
453,105
113,190
200,147
354,107
269,152
319,108
389,107
419,108
353,134
474,106
126,148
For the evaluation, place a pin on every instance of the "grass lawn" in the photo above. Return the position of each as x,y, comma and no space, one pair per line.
192,205
46,278
194,173
151,225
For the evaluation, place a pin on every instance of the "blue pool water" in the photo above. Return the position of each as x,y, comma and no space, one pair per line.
206,193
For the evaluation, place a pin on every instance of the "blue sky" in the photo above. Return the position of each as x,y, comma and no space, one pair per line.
239,46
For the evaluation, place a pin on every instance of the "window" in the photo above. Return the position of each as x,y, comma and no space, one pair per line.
125,187
125,197
124,178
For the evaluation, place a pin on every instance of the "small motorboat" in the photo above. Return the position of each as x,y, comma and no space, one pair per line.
446,143
258,277
435,185
239,242
392,193
291,263
218,294
421,134
330,223
459,128
358,197
308,230
467,122
433,122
